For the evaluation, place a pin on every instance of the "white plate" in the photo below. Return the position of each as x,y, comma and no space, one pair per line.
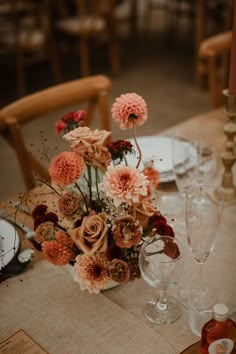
9,242
159,150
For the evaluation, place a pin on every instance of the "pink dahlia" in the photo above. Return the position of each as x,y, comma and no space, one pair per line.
91,272
59,251
129,110
66,168
124,184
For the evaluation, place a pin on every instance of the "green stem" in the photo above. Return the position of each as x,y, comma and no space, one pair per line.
97,181
83,196
139,150
90,183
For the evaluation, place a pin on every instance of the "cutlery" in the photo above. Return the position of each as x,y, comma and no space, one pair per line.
29,233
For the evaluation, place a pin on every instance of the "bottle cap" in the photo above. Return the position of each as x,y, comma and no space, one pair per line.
221,312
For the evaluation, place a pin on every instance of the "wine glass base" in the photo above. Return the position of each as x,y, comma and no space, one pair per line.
163,317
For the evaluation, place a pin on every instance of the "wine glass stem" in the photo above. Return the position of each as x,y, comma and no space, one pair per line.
200,275
162,302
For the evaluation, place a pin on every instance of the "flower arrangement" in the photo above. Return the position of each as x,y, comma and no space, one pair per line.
100,211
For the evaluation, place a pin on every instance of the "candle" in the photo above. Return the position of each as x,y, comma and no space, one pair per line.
232,70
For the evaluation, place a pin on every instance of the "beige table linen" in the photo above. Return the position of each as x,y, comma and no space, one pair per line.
50,307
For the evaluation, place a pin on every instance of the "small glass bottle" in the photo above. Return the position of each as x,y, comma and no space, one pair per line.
219,334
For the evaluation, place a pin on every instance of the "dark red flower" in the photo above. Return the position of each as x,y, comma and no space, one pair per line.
171,249
156,218
113,252
162,228
39,210
45,217
119,148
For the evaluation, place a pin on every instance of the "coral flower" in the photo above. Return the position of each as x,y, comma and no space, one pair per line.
59,251
124,184
129,110
66,168
91,272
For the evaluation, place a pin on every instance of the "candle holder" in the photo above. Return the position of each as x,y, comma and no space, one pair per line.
227,189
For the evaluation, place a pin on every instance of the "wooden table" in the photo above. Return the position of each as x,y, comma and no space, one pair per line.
50,307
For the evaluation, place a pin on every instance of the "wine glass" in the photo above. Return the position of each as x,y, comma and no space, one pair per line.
185,160
207,162
203,215
161,263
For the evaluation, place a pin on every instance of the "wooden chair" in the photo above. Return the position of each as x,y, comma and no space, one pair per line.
30,38
93,24
213,59
93,91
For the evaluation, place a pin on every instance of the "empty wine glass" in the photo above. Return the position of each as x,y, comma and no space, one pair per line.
207,162
203,215
185,159
161,262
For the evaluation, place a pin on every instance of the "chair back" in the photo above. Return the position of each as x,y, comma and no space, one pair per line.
92,91
213,56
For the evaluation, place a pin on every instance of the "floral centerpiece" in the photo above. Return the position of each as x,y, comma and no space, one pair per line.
101,210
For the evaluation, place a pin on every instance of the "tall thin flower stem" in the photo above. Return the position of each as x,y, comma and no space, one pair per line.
89,183
97,180
139,150
83,196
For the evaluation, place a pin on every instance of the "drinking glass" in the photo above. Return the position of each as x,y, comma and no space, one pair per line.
185,159
203,215
207,162
161,262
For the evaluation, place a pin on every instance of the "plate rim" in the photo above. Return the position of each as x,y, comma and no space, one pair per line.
16,234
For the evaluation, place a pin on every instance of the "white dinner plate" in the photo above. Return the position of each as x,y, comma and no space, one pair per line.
9,242
159,150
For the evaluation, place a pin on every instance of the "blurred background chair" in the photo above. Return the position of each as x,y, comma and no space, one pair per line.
91,91
26,32
92,26
213,61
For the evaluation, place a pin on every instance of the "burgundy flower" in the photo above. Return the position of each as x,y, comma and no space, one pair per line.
46,217
162,228
155,218
119,148
113,252
39,210
171,249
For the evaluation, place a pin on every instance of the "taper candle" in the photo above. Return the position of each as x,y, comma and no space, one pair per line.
232,70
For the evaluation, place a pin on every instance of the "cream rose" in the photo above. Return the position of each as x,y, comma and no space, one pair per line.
82,137
91,236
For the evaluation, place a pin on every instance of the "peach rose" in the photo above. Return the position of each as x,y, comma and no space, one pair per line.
91,236
82,137
142,212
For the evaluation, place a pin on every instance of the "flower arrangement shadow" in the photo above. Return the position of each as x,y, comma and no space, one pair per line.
96,211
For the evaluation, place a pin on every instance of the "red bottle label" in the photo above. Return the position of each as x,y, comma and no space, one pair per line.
221,346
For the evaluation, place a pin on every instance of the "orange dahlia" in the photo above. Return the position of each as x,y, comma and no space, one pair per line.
59,251
66,168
